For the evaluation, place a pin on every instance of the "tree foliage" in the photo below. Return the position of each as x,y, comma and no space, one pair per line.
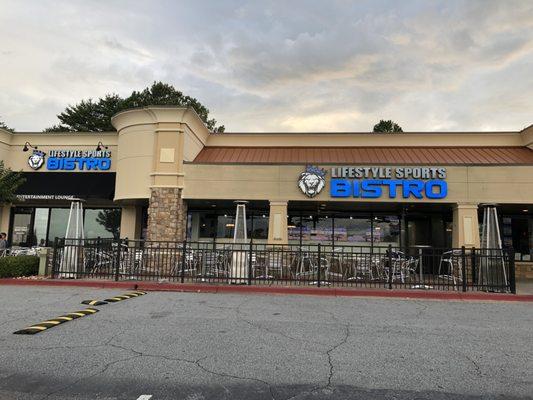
95,115
9,183
387,126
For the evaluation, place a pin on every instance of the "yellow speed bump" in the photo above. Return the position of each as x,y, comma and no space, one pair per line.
50,323
125,296
94,302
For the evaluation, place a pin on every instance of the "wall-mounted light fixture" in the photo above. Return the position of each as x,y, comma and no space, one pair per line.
100,146
27,146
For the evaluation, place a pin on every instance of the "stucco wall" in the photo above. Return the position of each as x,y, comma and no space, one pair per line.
476,184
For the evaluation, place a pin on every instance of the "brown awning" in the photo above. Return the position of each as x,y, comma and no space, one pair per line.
366,155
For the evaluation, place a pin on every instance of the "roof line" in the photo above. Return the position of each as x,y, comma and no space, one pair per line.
365,147
373,133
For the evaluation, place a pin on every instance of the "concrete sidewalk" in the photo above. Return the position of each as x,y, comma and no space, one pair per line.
524,287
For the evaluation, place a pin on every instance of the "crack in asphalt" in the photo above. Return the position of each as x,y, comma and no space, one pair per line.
197,363
105,368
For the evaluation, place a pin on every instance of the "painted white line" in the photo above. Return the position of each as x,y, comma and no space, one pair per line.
145,397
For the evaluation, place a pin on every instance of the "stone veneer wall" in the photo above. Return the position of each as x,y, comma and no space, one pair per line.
167,215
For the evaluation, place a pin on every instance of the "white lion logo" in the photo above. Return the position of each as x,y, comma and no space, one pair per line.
312,181
36,160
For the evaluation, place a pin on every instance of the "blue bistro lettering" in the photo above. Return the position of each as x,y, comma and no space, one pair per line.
416,182
69,160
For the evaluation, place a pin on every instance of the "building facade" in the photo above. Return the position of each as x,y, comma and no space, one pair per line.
163,176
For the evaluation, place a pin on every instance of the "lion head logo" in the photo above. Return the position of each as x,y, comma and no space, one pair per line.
312,181
36,159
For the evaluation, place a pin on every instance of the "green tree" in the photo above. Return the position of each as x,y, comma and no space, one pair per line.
387,126
9,183
95,115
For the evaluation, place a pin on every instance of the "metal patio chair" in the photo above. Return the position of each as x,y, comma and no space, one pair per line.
451,261
334,269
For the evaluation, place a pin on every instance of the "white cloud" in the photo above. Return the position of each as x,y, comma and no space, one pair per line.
276,66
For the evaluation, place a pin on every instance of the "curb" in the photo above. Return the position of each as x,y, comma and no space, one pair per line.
256,289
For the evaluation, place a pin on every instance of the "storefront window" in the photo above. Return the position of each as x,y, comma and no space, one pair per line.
386,230
294,226
207,225
40,226
104,223
517,232
58,223
317,230
204,225
353,231
225,226
260,226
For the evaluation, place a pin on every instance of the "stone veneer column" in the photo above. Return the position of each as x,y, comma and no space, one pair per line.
167,215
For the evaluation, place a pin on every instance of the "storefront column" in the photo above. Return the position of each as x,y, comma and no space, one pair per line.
130,222
277,223
465,225
4,218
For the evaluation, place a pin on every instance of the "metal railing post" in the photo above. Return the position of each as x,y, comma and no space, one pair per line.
390,266
117,260
250,263
512,276
474,266
463,266
183,260
54,257
319,265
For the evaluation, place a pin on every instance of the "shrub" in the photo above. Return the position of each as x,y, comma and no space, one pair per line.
18,266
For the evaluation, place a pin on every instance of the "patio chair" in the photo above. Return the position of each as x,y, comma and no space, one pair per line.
272,267
451,261
102,260
334,269
215,264
306,268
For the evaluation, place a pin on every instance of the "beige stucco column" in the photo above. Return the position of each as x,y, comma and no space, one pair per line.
4,217
153,144
465,225
277,223
130,222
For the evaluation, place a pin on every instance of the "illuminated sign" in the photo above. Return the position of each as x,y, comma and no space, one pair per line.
70,160
399,182
376,182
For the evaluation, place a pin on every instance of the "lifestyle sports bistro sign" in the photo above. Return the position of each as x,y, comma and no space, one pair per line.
70,160
377,182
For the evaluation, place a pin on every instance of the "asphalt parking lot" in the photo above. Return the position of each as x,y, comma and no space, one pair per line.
221,346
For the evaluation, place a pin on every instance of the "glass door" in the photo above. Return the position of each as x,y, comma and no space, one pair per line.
21,233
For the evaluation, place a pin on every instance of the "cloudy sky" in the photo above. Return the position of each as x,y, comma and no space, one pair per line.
277,65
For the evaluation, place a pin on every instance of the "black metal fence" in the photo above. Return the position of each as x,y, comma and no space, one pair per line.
464,269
